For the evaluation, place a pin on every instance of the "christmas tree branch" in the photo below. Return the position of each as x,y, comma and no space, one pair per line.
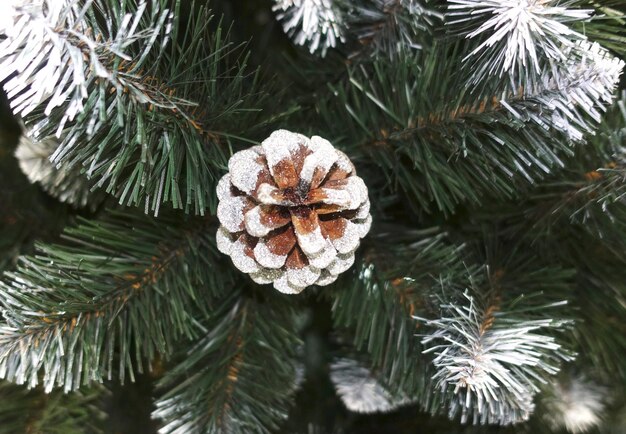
575,217
147,124
316,23
607,26
383,27
222,393
513,39
490,354
122,283
81,50
521,288
587,195
486,373
392,285
467,146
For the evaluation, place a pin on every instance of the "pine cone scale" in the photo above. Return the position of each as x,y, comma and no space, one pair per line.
282,243
318,163
262,219
232,211
306,224
299,156
333,229
324,209
250,171
296,259
285,174
242,254
342,168
266,257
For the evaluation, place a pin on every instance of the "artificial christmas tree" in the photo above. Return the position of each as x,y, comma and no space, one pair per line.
470,279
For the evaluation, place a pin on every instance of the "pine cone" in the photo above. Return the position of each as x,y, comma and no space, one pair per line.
292,211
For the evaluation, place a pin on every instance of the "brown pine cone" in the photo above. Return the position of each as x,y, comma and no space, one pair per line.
292,211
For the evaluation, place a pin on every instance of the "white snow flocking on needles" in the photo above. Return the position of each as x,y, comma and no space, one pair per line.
53,58
578,405
488,373
316,23
359,390
516,31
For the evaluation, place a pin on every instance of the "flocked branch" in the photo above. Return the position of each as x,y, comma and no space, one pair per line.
487,362
144,103
121,284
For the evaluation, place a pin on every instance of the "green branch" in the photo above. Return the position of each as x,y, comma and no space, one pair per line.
240,376
120,283
443,144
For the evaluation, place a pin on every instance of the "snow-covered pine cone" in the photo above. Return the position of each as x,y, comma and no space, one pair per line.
292,211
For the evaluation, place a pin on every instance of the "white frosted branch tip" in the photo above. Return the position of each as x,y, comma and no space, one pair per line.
517,31
575,404
318,23
483,372
359,390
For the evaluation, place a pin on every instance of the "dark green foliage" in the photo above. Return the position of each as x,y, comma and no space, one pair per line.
239,377
382,28
608,24
120,285
37,412
444,145
26,213
600,336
